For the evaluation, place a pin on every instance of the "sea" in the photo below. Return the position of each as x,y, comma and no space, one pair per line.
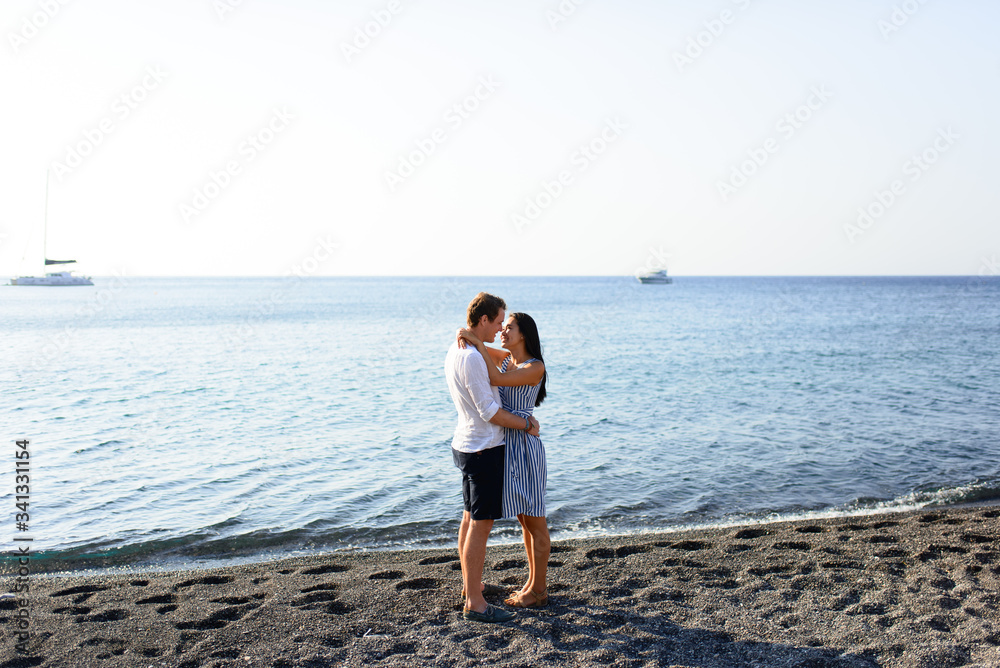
190,422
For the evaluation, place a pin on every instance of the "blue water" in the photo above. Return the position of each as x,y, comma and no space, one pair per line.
178,420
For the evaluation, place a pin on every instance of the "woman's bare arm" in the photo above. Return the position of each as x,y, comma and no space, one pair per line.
530,374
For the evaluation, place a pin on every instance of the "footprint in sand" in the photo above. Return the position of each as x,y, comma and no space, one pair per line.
626,550
231,600
495,643
689,563
851,564
939,551
217,619
319,587
322,597
657,595
328,568
845,601
749,534
158,600
387,575
854,527
867,609
810,529
772,569
792,545
938,623
80,594
691,545
188,639
948,603
167,602
232,653
892,553
207,580
106,616
419,583
440,559
115,647
600,553
75,610
314,596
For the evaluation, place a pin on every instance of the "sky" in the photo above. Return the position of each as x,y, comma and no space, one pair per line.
436,137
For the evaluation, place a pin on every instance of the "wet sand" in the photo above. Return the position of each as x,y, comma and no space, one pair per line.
916,589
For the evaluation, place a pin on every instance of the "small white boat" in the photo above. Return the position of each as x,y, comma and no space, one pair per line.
54,278
655,277
57,277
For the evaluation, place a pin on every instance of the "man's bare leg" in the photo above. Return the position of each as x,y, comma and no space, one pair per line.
463,532
473,555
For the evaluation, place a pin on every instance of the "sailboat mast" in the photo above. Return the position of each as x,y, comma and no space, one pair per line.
45,227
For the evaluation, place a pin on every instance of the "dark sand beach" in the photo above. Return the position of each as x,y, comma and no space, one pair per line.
916,589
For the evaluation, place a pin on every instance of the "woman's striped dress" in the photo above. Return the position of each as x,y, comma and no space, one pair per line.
524,466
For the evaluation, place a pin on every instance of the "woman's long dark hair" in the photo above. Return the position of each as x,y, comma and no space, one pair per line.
529,331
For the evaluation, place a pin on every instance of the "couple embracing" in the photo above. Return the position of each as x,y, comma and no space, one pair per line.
496,447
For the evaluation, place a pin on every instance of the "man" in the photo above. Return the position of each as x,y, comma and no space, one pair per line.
478,450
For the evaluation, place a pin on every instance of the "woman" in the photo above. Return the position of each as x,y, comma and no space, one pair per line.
521,380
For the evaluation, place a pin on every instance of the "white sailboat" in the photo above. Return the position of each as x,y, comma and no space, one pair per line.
53,278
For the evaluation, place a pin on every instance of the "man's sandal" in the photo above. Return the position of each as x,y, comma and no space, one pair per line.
541,598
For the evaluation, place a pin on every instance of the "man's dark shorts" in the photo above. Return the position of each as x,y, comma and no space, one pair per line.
482,481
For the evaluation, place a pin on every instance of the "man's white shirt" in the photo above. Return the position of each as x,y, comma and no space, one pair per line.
475,399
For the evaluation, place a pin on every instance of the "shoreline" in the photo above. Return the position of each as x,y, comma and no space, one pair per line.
916,588
179,564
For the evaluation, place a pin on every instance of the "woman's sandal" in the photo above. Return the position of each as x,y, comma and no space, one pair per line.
541,599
